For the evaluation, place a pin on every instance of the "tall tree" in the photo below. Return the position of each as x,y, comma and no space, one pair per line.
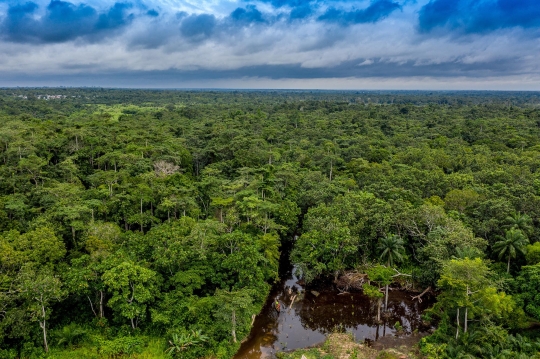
512,243
133,287
382,276
519,221
40,289
391,248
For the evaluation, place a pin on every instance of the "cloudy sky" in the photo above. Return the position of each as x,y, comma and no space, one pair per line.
327,44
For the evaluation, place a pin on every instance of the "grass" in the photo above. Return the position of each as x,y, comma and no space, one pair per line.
154,348
115,111
343,346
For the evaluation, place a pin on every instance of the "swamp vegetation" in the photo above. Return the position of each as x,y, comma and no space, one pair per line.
149,224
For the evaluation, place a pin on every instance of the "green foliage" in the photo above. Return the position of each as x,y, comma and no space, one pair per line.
510,245
180,343
372,291
120,346
528,286
165,211
532,253
70,334
391,248
432,351
132,288
380,274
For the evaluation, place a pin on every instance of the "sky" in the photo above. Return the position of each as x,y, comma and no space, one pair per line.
278,44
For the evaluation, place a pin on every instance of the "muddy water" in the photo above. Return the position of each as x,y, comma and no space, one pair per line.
320,310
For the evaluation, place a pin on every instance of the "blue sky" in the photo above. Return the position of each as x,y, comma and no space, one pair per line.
326,44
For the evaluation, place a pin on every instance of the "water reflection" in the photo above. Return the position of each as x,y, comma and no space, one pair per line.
318,311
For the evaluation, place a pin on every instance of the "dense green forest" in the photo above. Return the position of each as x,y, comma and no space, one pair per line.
150,223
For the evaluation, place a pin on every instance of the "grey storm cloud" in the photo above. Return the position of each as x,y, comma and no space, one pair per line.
378,68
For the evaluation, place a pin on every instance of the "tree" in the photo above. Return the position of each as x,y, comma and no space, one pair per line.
512,243
461,279
324,250
39,289
383,277
466,284
528,287
182,342
374,293
34,166
327,245
533,253
391,248
460,199
519,221
234,307
133,287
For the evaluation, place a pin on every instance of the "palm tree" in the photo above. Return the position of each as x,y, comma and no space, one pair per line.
519,221
182,342
514,241
70,334
391,248
468,252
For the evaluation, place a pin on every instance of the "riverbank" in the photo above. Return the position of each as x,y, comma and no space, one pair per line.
309,315
344,346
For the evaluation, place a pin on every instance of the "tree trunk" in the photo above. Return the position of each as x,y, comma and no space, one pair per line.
92,306
379,302
233,332
132,323
73,235
457,321
508,267
43,326
141,216
386,299
465,323
101,304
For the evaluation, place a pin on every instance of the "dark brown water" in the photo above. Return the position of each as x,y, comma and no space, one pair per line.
313,316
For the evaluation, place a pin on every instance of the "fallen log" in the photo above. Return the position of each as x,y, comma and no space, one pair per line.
419,296
292,302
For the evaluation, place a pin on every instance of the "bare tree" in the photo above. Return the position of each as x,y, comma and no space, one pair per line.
164,168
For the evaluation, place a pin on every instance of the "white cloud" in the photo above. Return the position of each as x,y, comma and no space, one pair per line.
156,44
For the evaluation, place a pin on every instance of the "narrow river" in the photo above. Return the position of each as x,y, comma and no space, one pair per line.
320,310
